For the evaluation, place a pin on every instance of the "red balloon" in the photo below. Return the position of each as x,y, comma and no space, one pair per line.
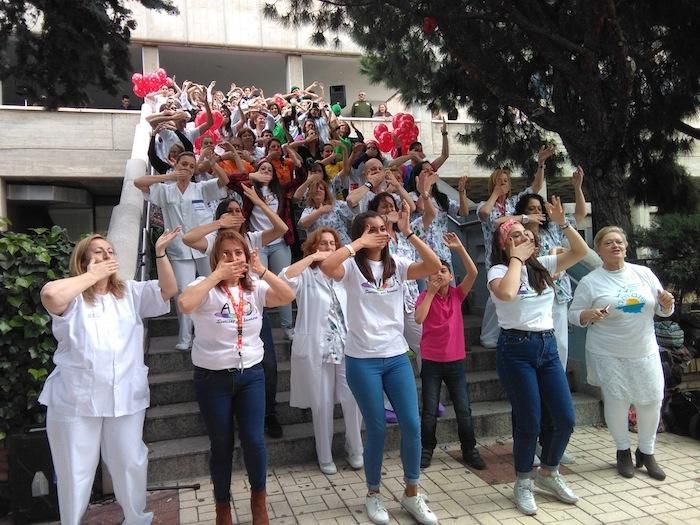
138,91
385,141
379,130
201,118
429,25
169,81
161,74
394,152
136,77
395,121
405,127
218,119
409,117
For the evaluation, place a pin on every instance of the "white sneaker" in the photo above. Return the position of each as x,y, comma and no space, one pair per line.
536,461
556,486
328,468
416,507
524,495
376,510
289,333
356,461
567,459
182,346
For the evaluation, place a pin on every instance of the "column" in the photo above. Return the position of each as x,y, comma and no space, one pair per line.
150,58
3,202
295,71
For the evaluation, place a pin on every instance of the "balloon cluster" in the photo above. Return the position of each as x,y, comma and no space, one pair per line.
212,132
150,82
405,132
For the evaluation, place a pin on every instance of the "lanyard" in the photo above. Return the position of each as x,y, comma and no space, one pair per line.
238,311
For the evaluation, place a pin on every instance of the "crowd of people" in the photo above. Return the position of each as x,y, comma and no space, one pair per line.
374,283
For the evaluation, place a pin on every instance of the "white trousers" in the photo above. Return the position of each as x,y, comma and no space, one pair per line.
335,386
616,417
489,325
76,442
186,271
560,312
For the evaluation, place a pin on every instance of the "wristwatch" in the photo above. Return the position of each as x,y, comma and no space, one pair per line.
369,186
525,219
351,250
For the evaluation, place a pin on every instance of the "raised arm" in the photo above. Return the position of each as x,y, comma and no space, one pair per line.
196,237
166,275
57,295
542,155
355,196
144,183
445,152
454,243
463,201
310,218
301,190
425,189
279,228
429,263
506,288
298,267
292,153
333,265
578,247
192,296
210,118
485,209
279,292
399,188
423,308
580,211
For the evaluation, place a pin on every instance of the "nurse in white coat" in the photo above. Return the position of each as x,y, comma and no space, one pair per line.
317,378
98,393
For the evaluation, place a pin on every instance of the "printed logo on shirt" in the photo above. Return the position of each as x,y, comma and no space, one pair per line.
226,315
384,287
629,301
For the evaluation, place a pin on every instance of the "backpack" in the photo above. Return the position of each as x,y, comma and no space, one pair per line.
668,334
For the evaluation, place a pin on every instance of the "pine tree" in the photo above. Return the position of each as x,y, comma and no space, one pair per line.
59,48
615,80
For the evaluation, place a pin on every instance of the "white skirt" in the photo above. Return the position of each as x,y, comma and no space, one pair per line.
638,380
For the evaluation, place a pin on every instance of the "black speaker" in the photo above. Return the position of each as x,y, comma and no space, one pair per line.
338,95
31,477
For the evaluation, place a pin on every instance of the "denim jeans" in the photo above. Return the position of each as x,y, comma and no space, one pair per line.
432,374
223,394
368,379
275,257
531,373
269,364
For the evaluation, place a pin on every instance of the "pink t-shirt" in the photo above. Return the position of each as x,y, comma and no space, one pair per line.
443,328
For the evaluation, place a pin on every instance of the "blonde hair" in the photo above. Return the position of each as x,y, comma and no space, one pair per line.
598,239
78,265
311,193
494,176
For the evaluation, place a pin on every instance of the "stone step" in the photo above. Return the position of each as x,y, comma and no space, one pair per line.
162,357
177,459
177,387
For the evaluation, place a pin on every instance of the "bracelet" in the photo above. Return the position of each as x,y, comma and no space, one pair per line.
565,225
161,256
444,133
263,274
351,250
410,235
425,196
518,258
540,166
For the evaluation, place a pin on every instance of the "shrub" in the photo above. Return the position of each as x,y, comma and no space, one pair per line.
27,262
675,241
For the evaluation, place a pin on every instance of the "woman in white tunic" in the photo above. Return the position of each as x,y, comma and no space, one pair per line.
617,302
318,350
97,395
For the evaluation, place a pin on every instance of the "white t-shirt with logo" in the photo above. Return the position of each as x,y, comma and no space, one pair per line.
258,220
216,328
375,311
529,311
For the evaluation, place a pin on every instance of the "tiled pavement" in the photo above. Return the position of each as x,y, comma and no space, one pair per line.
301,494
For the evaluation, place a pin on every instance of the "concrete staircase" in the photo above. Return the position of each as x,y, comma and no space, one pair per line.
176,436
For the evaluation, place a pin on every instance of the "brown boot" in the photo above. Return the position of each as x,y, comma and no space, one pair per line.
223,513
648,461
258,507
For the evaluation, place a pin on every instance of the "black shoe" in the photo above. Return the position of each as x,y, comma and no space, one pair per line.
624,463
648,461
425,458
473,459
272,427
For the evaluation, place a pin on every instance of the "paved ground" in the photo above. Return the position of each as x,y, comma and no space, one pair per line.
301,494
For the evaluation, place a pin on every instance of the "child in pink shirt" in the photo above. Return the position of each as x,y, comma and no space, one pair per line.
442,348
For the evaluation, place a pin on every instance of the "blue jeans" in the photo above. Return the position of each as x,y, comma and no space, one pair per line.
368,379
269,364
275,257
223,394
531,373
432,374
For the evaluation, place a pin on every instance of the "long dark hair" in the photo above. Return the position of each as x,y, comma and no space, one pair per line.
274,185
356,231
537,275
521,207
442,199
373,205
222,208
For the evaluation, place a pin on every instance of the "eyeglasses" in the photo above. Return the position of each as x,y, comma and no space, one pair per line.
610,242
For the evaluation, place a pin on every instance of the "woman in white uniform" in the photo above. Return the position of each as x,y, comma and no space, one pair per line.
317,378
97,395
617,302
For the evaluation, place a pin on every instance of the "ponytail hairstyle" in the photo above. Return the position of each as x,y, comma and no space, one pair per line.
78,264
537,275
357,229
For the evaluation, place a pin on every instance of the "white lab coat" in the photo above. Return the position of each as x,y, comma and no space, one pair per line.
313,304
